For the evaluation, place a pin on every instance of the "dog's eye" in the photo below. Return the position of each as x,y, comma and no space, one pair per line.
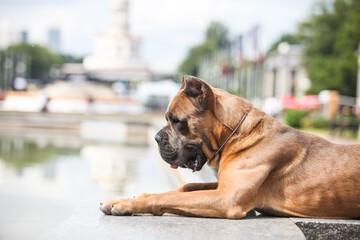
175,120
183,127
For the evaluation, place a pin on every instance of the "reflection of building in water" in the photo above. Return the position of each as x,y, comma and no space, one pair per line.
117,52
3,171
110,165
49,170
20,154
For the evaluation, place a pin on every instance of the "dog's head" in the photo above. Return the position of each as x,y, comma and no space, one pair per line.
189,121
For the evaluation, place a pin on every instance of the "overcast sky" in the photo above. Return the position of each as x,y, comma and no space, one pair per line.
168,27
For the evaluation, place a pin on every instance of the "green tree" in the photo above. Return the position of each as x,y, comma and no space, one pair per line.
41,59
289,38
67,58
216,37
330,38
195,55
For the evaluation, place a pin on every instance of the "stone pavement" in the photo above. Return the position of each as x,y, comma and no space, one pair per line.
88,222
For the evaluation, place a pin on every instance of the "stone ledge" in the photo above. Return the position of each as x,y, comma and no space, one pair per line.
88,222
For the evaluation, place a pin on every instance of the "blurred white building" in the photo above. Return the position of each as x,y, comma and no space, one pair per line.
117,53
157,95
8,34
284,73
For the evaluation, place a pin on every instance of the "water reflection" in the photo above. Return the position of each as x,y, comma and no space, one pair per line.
45,175
19,153
112,166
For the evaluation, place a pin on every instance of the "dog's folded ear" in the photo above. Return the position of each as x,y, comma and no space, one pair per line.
199,92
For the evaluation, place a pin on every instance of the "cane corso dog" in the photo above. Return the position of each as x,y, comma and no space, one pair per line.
260,163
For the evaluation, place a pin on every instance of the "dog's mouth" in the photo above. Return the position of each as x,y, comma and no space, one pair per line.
196,158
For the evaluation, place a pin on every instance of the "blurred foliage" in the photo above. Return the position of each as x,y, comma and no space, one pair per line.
330,38
216,38
217,35
315,123
289,38
41,58
294,118
66,58
195,55
305,119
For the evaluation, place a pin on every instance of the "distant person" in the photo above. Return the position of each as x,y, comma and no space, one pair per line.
90,104
2,95
44,98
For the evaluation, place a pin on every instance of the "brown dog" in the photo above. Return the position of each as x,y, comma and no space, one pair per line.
265,165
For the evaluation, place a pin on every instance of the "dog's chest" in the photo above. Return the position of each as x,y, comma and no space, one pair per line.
215,170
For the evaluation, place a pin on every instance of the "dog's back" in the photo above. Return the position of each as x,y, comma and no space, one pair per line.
322,180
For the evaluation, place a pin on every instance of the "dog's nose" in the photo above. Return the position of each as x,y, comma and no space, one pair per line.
158,137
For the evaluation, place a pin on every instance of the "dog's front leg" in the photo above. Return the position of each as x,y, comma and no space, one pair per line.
202,203
189,187
234,196
222,202
106,206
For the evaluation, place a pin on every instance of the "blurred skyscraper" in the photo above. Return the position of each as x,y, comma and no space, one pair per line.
54,39
24,36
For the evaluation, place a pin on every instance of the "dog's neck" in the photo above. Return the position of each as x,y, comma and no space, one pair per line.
218,152
223,138
229,108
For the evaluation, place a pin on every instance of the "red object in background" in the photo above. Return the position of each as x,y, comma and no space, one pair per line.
226,69
2,95
309,102
289,102
306,102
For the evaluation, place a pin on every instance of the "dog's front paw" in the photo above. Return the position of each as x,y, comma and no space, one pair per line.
106,206
120,207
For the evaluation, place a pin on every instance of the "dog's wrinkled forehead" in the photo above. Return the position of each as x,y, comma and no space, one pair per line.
180,106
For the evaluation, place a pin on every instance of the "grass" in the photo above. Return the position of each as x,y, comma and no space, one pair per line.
347,134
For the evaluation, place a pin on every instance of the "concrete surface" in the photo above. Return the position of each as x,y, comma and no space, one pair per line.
88,222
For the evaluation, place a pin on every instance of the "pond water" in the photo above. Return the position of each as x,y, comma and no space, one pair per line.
43,175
